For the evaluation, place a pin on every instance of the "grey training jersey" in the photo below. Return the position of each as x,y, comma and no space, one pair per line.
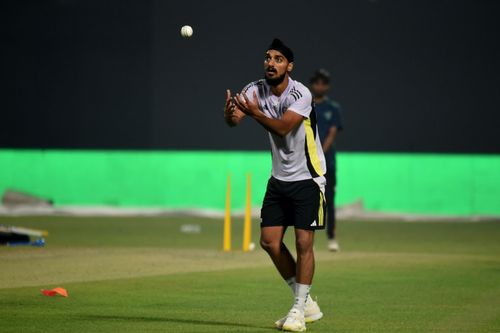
298,155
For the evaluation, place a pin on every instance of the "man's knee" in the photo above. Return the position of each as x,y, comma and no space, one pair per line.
270,245
304,244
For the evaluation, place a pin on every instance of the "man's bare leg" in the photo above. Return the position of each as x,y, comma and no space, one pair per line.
304,241
296,318
271,240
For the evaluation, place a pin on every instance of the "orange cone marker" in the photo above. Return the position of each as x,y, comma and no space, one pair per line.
56,291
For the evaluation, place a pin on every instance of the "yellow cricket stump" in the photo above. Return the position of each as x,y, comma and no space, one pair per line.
247,226
227,217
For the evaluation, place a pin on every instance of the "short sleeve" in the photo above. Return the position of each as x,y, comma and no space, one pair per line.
249,89
302,103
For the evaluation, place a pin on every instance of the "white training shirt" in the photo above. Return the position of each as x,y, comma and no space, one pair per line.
298,155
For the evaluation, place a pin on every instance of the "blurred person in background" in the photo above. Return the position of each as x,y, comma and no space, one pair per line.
329,124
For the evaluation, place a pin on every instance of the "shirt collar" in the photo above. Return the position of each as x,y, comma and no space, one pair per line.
285,92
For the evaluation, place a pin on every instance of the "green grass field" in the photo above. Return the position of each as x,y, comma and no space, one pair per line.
144,275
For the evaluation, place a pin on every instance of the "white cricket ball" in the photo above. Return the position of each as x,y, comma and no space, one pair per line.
251,246
186,31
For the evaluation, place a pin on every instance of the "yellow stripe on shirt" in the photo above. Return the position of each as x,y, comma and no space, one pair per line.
312,148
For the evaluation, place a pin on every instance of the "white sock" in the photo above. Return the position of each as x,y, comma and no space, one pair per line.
301,295
291,283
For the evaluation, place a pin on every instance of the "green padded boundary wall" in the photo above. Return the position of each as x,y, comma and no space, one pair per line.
389,182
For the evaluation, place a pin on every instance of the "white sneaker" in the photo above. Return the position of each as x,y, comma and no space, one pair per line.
333,245
295,321
312,313
279,323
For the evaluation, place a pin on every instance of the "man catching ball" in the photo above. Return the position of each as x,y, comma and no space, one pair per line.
295,191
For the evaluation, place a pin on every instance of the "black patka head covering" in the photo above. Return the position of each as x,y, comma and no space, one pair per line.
278,45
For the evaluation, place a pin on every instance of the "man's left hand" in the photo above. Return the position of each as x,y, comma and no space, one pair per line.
247,106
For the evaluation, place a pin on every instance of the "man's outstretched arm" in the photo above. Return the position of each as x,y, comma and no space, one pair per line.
280,127
232,114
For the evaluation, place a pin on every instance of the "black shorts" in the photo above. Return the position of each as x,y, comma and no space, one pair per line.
300,204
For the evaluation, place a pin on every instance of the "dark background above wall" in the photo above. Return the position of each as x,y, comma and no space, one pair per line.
415,76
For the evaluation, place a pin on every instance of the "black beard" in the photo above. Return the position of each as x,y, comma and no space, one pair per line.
276,81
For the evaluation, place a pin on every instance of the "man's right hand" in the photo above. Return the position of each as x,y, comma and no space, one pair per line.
232,114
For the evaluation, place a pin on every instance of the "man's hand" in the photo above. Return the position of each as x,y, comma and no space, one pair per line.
330,138
232,114
247,106
229,107
244,106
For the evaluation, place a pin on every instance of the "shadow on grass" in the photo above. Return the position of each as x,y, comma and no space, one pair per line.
170,320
